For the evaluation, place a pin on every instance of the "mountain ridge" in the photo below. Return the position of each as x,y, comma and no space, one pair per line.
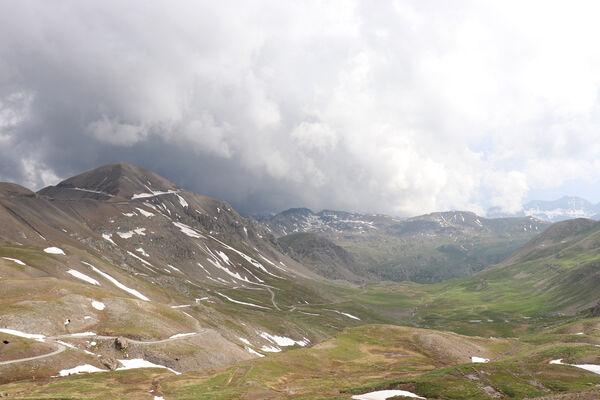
425,249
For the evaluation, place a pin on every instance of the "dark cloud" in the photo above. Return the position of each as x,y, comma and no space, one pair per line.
403,107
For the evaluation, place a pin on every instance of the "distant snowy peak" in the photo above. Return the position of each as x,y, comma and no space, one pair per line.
567,207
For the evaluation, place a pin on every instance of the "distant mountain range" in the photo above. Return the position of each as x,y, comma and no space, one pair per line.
567,207
425,249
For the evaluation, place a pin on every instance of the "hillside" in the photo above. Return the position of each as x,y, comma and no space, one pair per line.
425,249
320,255
150,290
119,252
555,274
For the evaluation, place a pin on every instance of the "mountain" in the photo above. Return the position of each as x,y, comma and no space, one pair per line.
321,255
425,249
152,291
135,261
567,207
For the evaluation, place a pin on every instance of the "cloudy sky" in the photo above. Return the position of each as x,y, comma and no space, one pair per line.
402,107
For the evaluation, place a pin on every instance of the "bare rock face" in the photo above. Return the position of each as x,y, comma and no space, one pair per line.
121,343
110,363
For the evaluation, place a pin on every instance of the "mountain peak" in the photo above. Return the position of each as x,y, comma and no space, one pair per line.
117,180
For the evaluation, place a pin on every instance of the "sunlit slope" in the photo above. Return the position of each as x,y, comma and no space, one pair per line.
429,363
556,273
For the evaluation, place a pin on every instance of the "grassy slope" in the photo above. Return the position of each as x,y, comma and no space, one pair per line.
428,259
373,357
519,300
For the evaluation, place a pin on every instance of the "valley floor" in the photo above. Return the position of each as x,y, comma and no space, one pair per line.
432,364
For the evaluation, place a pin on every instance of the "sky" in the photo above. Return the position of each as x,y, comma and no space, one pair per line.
397,107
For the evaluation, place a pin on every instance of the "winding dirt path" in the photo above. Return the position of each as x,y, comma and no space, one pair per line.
60,349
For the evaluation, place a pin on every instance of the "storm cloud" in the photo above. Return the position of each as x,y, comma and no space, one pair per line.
402,107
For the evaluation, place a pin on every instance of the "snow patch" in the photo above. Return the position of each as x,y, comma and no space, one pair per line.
270,349
347,315
54,250
475,359
129,234
242,302
588,367
145,213
80,369
182,201
151,194
83,277
141,363
282,340
38,337
118,284
174,268
14,260
142,252
385,394
188,230
178,335
139,258
98,305
108,237
82,334
252,351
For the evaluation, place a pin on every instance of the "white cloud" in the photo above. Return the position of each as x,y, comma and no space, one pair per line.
401,108
314,136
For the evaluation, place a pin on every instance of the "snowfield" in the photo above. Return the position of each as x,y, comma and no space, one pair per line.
83,277
54,250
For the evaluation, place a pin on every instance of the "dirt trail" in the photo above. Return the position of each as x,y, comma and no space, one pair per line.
60,349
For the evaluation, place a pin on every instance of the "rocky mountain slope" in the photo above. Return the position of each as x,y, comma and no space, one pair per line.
424,249
181,279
